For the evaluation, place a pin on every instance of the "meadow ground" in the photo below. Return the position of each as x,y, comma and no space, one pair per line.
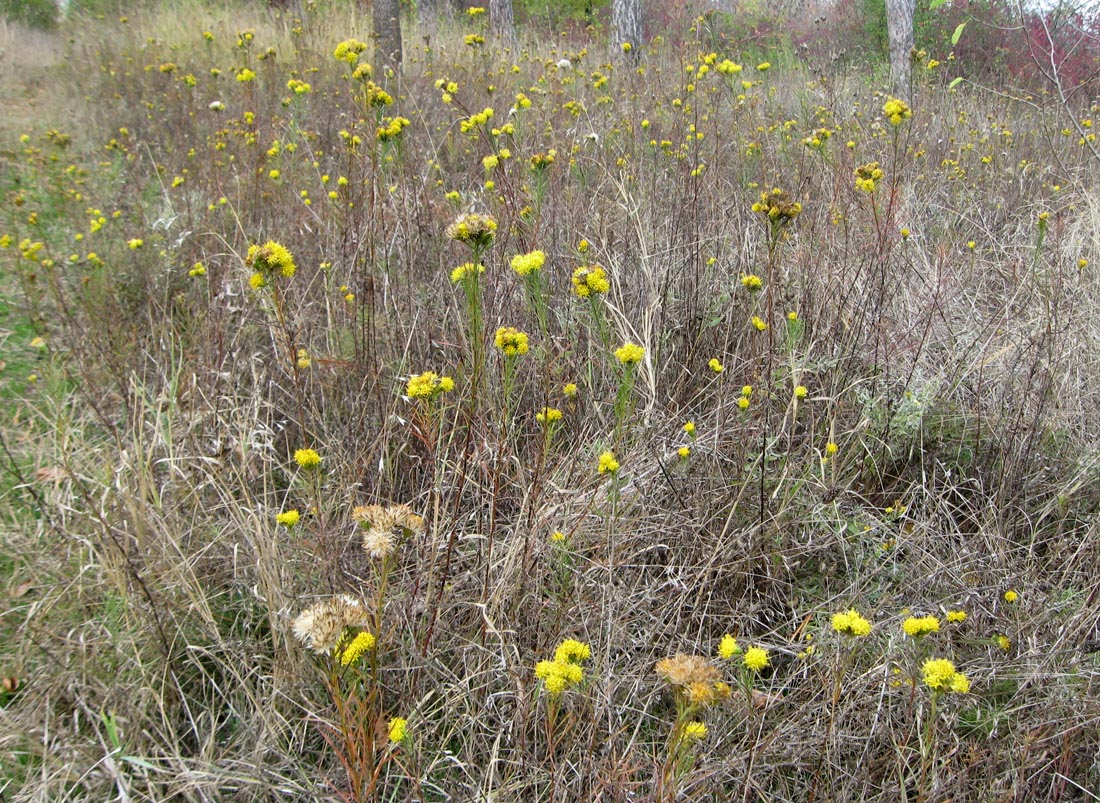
544,424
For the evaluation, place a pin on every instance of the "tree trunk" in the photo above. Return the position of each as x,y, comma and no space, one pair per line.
626,25
502,21
387,33
899,27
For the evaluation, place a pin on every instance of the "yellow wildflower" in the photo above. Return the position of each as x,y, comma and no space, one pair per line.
608,464
629,353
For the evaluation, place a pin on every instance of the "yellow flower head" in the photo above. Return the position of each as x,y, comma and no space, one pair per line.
526,264
398,730
715,365
512,342
348,51
956,616
1011,596
362,643
572,650
608,464
896,111
756,658
777,206
751,282
288,518
689,427
569,389
693,731
727,647
473,228
548,415
565,670
271,258
307,458
939,674
590,280
466,271
629,353
916,626
868,176
850,623
428,384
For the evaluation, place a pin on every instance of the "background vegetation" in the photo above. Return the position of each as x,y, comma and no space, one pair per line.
899,419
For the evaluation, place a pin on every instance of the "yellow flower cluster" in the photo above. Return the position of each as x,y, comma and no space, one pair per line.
428,385
398,730
472,228
362,643
541,161
608,464
307,458
956,616
349,50
589,280
751,282
896,111
288,518
466,271
756,658
511,341
715,365
939,674
376,96
693,731
548,415
391,128
916,626
727,67
817,139
271,258
526,264
629,353
778,206
867,176
565,670
727,647
850,623
474,120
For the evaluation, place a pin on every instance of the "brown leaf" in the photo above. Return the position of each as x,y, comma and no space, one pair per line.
20,590
50,474
764,701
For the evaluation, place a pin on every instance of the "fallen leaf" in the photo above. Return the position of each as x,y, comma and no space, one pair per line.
50,474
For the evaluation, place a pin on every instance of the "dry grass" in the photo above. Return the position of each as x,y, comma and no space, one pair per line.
149,592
